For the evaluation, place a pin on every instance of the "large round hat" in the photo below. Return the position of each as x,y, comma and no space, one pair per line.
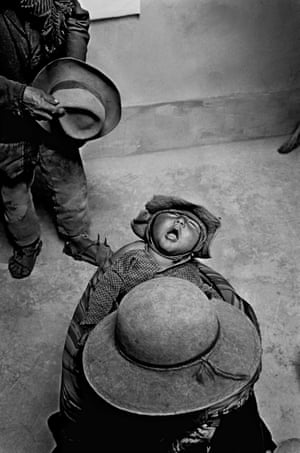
169,350
91,100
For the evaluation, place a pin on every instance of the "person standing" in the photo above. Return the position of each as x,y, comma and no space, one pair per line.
34,33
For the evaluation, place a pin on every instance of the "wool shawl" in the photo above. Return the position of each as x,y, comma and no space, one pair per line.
50,17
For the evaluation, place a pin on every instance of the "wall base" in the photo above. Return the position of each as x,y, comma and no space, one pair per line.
185,124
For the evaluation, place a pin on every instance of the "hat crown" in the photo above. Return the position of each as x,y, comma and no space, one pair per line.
84,112
166,323
91,100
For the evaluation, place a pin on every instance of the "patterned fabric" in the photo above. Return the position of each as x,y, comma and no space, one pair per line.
128,271
226,292
51,16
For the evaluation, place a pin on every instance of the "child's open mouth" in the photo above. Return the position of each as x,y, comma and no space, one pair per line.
173,235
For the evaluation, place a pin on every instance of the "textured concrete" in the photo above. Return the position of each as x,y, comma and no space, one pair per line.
255,191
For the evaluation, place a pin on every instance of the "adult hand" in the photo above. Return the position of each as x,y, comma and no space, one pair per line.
40,105
206,432
201,435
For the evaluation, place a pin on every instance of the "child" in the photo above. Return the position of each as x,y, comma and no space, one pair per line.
174,233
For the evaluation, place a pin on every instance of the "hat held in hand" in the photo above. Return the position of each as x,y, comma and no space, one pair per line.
169,350
91,100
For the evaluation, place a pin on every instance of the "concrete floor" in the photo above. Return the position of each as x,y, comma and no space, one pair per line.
255,191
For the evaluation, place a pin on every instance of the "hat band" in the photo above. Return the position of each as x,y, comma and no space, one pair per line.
206,370
233,402
165,367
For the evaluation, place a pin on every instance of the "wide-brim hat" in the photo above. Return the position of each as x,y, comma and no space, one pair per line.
91,100
169,350
141,225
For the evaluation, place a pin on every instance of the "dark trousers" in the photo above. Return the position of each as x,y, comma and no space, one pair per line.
63,174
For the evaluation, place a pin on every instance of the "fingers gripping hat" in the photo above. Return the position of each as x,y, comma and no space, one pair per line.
91,100
169,350
208,223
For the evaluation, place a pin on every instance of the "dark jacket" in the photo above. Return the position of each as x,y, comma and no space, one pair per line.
21,57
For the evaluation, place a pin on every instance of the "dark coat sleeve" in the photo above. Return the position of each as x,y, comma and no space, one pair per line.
11,95
77,38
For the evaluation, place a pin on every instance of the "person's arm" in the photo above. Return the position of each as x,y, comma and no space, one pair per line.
11,95
77,37
20,99
104,295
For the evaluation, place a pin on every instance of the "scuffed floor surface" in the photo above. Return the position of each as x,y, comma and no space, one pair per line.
256,193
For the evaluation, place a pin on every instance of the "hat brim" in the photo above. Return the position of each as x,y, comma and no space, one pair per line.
145,391
68,68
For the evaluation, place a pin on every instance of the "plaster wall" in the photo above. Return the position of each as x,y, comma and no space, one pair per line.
197,72
181,50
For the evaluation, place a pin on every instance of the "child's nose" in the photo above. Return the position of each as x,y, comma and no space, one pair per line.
181,220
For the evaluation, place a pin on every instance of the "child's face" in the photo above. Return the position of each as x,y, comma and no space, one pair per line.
175,233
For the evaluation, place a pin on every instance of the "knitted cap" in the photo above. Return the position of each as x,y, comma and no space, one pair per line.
163,203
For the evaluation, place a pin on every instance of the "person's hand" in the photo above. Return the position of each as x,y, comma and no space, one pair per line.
40,105
201,435
206,432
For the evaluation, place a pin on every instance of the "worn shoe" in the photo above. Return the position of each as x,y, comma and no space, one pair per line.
292,143
22,262
82,248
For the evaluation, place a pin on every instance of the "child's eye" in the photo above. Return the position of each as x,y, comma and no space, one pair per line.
188,220
192,223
